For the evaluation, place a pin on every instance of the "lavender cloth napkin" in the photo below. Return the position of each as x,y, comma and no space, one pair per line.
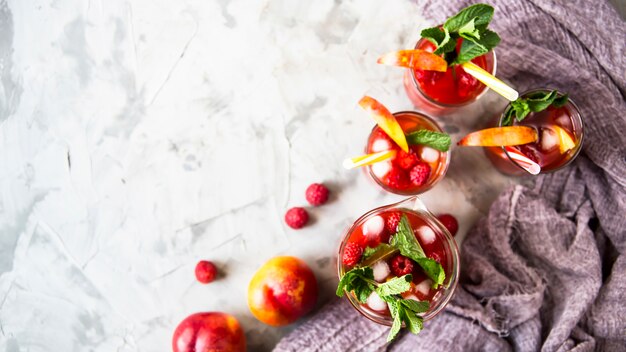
546,269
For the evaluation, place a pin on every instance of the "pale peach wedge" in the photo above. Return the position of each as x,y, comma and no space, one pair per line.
385,120
417,59
565,140
500,136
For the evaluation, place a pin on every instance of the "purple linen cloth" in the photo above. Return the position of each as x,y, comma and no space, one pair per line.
546,269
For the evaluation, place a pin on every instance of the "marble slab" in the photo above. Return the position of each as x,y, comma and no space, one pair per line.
138,137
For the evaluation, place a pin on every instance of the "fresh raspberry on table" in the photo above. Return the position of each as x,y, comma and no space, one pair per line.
406,160
296,217
401,265
352,254
206,271
392,222
449,222
316,194
419,173
397,178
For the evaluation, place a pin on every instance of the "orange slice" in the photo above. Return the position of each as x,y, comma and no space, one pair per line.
500,136
565,140
368,159
385,120
419,59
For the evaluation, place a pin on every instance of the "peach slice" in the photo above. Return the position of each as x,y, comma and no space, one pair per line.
565,140
419,59
368,159
500,136
385,120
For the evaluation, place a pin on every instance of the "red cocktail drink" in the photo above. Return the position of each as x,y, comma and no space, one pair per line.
409,173
553,125
442,92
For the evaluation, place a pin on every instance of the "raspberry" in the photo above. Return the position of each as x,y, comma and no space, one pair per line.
419,173
530,152
316,194
466,83
449,222
392,222
406,160
352,254
205,271
296,217
401,265
397,178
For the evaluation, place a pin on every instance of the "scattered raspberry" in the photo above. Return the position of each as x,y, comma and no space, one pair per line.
296,217
205,271
420,173
316,194
397,178
530,152
392,222
406,160
352,254
401,265
449,222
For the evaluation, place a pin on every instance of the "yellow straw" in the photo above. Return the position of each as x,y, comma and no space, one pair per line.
368,159
491,81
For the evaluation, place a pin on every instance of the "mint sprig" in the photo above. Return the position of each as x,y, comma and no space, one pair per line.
404,240
436,140
471,25
534,102
360,282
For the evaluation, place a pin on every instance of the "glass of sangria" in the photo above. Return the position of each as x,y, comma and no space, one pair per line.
409,173
440,93
375,245
560,138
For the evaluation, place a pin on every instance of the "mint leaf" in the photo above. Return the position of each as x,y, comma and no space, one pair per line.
371,255
469,31
536,102
395,310
359,281
435,140
404,240
473,48
415,306
480,14
414,322
441,38
395,286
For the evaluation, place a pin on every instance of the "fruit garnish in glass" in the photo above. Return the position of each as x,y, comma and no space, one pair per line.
463,38
406,153
549,133
398,266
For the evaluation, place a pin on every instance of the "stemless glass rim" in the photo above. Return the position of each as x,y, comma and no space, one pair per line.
491,52
450,243
575,115
436,180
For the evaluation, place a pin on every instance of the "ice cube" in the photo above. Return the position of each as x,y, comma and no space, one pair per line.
376,303
429,155
380,145
373,227
381,169
549,139
427,235
424,287
381,271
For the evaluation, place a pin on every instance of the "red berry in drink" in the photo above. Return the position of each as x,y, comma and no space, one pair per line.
531,152
397,178
401,265
317,194
352,254
206,271
449,222
420,173
406,160
296,217
392,222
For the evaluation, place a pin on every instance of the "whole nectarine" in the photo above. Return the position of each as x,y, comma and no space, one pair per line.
211,331
283,290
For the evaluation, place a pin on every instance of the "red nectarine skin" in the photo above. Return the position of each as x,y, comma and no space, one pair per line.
283,290
212,331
